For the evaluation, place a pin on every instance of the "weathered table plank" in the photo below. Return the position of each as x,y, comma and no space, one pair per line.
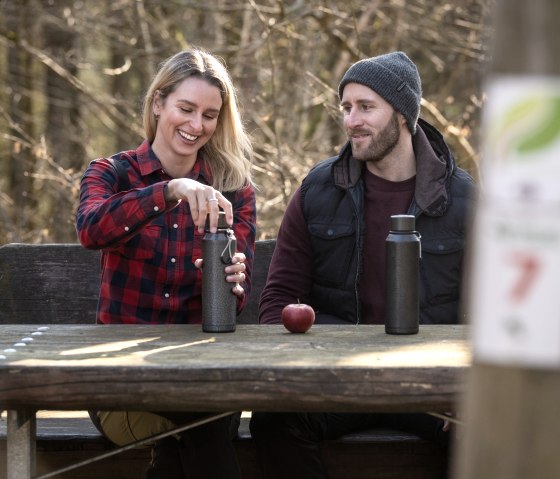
330,368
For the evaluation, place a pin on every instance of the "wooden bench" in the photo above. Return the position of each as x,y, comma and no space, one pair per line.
50,283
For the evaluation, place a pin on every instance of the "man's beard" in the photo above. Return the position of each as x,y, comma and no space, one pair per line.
381,144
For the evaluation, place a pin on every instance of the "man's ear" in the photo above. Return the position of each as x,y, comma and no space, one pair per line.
402,120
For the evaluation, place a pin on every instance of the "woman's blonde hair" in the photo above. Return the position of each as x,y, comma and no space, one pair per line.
228,152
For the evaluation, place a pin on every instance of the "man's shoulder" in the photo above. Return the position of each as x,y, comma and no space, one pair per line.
321,170
463,183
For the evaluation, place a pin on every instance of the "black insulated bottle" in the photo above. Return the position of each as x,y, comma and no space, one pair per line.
218,301
402,276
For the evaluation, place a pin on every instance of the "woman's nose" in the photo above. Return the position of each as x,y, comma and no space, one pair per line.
196,123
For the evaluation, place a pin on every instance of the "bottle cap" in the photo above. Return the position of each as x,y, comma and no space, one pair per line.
402,223
222,223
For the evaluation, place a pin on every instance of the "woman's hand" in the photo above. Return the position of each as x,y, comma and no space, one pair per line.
203,201
235,272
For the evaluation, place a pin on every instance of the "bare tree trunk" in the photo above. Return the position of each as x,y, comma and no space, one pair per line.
19,81
63,116
126,73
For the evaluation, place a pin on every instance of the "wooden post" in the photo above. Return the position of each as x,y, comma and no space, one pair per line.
512,404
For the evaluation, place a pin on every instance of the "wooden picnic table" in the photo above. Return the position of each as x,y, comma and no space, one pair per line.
179,367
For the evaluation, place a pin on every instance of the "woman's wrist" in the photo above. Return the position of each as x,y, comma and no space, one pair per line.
167,192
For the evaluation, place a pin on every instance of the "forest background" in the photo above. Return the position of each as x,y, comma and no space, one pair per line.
73,74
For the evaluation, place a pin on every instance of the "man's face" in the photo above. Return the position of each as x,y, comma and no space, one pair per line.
373,126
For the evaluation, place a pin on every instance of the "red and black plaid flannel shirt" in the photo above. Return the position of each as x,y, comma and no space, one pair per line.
149,246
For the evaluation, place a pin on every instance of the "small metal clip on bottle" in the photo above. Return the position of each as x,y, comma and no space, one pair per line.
402,276
218,301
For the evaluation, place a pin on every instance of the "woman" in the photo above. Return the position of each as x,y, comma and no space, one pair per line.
146,209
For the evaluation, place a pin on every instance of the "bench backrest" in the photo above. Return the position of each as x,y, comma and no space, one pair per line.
59,283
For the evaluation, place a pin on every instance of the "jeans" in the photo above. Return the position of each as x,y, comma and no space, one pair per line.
204,452
288,443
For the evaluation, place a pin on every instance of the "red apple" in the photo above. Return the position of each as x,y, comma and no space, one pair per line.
298,318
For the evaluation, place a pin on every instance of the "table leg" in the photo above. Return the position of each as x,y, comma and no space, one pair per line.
21,444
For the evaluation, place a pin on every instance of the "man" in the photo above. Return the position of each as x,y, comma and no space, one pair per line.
330,250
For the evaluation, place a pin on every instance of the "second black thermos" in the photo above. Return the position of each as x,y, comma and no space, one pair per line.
402,276
218,301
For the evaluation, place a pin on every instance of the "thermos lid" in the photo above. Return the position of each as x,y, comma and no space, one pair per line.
402,223
222,223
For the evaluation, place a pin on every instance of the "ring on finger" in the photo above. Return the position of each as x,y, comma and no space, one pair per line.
212,199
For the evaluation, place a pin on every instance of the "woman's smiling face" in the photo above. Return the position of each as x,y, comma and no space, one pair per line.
188,118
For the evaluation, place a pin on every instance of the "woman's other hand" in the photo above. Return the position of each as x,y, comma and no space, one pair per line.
235,272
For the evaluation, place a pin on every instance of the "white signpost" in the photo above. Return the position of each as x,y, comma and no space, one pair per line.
515,305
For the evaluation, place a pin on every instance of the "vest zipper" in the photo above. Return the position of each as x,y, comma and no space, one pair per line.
358,259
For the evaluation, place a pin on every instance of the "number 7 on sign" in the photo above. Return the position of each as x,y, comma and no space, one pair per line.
529,266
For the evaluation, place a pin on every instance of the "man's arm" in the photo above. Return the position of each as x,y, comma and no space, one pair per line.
289,275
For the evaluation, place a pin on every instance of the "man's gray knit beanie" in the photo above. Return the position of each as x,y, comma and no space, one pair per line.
392,76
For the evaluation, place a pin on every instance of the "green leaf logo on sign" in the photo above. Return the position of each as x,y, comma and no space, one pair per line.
527,127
